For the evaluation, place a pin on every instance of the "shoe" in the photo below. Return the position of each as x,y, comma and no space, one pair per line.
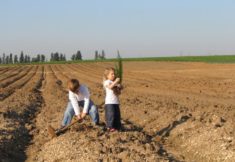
112,130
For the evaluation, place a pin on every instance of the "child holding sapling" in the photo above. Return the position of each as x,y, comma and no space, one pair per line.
112,110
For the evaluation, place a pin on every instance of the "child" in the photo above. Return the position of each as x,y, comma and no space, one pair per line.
112,110
79,96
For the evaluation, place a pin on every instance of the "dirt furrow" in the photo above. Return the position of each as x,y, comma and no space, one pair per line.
6,92
16,115
170,112
85,76
4,69
52,113
55,100
94,71
159,108
10,73
16,78
60,76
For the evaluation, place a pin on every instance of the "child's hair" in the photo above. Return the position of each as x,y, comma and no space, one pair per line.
73,85
106,72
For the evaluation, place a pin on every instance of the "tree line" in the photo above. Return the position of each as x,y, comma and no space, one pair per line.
22,58
40,58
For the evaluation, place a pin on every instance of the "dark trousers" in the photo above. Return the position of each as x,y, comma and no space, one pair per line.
113,116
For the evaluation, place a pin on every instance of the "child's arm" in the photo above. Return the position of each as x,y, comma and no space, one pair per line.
75,105
86,106
86,95
110,86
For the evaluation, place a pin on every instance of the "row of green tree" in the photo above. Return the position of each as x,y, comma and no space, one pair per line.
78,55
58,57
24,58
99,56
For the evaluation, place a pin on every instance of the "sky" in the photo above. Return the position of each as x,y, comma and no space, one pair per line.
137,28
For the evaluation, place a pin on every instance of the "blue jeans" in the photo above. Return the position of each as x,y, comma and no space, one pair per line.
69,113
113,116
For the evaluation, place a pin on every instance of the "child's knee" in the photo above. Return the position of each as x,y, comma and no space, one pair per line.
69,114
93,109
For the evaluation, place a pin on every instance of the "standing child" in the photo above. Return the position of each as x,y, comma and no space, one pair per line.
112,110
79,96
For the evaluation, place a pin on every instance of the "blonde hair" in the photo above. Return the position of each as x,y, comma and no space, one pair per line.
107,71
73,85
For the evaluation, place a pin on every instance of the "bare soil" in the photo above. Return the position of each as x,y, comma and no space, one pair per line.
171,111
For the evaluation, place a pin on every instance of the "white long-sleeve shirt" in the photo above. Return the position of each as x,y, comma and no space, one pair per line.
82,94
110,97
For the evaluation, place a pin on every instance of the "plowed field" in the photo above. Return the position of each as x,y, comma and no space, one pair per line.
171,111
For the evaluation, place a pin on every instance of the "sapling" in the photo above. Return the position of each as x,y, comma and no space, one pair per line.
118,73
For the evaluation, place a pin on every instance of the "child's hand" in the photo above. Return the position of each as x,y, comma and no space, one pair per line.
83,115
117,80
119,85
79,117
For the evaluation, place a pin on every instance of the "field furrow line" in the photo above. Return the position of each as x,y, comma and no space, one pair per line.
94,72
4,69
6,92
16,116
10,69
61,71
55,100
60,78
11,73
84,76
16,78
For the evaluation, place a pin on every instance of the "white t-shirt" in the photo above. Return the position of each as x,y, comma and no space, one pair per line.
110,97
83,94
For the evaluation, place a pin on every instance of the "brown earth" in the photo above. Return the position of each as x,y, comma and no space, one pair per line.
171,111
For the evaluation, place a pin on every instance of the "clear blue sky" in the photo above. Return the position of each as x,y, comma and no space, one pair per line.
138,28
